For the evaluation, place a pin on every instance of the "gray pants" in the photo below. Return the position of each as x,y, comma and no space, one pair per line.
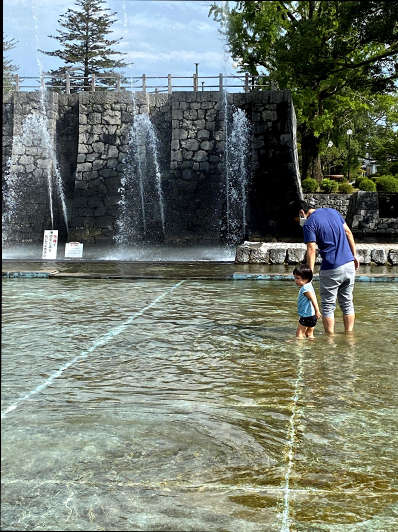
337,284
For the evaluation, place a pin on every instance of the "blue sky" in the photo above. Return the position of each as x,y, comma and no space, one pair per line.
160,37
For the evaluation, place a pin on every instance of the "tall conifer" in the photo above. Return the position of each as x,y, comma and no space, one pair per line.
85,46
8,67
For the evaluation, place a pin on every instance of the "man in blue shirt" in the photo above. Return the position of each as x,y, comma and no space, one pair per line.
328,229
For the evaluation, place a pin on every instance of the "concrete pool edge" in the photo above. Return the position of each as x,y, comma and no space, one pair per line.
237,276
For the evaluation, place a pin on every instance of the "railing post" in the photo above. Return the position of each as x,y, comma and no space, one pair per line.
203,86
143,83
118,82
247,82
220,83
17,82
93,82
169,88
195,83
67,78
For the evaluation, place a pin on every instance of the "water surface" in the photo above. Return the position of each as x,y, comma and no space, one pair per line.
168,405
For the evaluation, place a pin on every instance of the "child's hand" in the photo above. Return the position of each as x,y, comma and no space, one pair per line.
318,315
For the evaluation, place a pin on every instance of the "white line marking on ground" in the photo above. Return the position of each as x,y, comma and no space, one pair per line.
102,340
291,445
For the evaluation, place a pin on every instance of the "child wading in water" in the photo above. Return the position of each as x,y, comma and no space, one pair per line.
307,304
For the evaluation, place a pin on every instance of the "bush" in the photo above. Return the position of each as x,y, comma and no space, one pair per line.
329,186
346,188
387,183
367,184
358,180
309,185
394,169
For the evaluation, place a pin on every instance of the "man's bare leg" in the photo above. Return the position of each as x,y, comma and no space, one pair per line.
349,320
328,324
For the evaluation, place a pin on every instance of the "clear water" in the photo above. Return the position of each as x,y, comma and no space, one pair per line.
139,252
168,405
141,202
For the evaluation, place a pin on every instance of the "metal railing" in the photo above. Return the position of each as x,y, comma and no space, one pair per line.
167,83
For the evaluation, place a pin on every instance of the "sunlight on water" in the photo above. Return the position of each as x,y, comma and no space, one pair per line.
190,411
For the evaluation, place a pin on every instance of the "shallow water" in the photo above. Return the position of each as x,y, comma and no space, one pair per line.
138,252
165,405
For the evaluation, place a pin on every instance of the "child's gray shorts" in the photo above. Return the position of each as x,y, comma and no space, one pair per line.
337,284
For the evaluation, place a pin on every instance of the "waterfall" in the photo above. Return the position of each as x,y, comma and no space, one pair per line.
32,159
238,172
141,204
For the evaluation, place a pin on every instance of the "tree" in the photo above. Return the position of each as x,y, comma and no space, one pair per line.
332,55
84,44
8,67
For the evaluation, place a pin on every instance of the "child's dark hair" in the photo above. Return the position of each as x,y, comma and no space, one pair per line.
303,271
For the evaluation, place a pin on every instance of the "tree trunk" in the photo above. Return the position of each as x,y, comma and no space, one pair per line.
311,161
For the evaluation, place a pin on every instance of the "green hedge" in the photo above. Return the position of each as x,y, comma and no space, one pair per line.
387,183
329,186
367,184
346,188
309,185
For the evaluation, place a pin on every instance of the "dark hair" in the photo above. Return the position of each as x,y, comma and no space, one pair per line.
296,206
303,271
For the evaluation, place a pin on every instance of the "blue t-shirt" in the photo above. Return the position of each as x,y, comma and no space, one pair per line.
325,227
304,306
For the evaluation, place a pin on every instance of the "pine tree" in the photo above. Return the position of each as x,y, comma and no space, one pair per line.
85,47
8,67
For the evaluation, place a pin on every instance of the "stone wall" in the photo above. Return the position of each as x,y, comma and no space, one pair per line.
295,253
91,133
364,217
32,130
361,212
340,202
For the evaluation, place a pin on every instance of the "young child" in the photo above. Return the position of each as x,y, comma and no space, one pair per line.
307,304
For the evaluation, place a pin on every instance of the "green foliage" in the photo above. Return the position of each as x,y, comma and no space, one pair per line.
358,181
329,186
387,183
393,169
337,58
346,188
309,185
84,44
367,184
8,68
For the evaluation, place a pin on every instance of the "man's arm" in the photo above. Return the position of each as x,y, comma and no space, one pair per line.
351,242
311,254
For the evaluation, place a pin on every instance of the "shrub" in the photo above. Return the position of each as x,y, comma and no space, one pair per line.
367,184
387,183
358,180
309,185
346,188
394,169
328,185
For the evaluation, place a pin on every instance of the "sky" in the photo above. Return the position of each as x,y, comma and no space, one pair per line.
160,37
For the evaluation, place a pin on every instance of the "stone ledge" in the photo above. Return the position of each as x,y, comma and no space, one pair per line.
285,253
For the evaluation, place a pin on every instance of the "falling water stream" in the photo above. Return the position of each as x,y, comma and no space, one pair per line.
141,203
34,143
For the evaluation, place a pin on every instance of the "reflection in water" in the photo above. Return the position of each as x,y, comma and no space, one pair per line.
197,414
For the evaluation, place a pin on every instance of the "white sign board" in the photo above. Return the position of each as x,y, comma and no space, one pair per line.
50,244
74,249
